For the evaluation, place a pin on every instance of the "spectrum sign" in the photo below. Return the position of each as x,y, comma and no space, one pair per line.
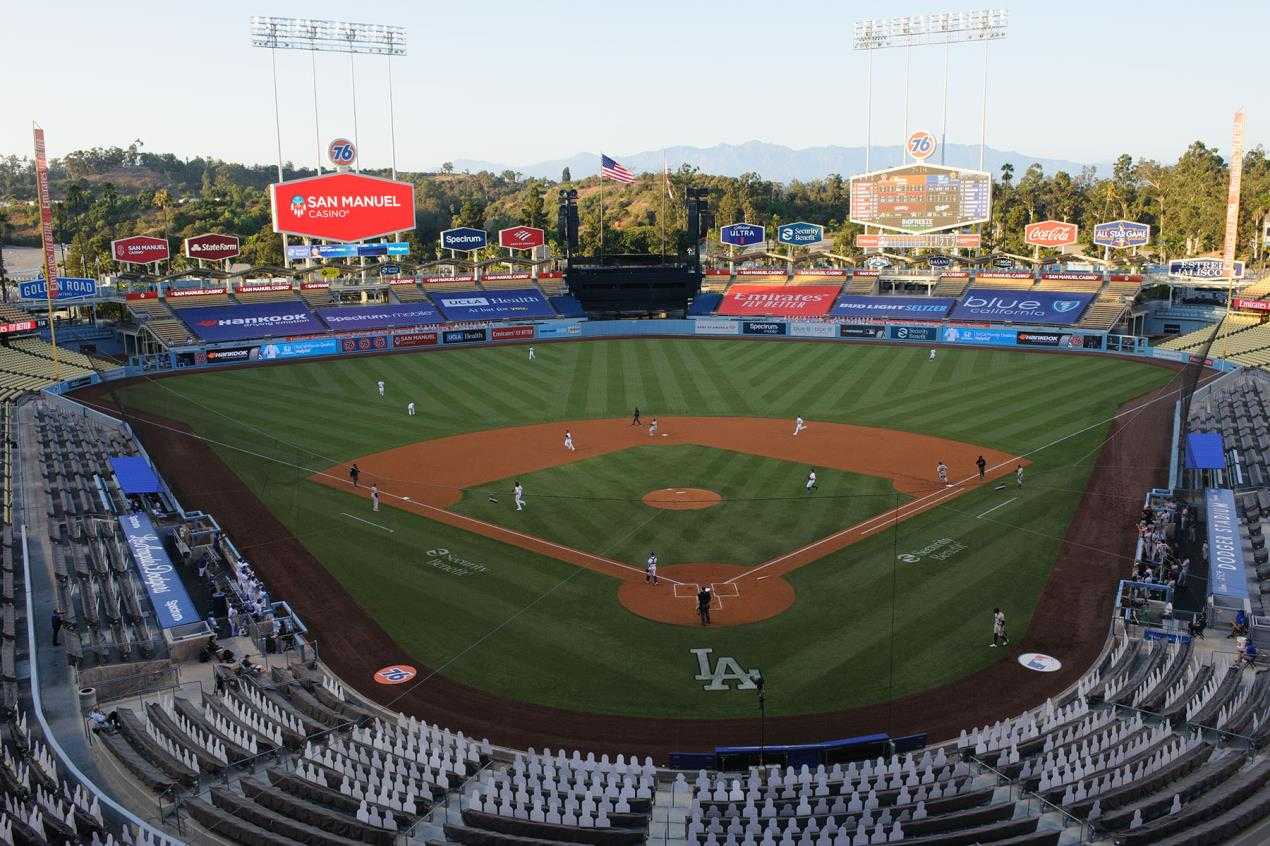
464,239
342,206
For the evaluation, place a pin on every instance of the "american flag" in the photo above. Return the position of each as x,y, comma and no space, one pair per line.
609,169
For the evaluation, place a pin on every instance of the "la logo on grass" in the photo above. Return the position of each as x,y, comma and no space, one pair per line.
725,670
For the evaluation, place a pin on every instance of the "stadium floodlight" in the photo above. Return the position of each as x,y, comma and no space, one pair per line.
328,36
937,28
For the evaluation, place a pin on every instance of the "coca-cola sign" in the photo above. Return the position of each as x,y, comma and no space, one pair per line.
211,247
140,249
1050,233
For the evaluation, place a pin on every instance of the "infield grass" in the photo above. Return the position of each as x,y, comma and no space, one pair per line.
561,636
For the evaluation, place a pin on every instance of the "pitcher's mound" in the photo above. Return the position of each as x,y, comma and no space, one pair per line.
682,499
674,599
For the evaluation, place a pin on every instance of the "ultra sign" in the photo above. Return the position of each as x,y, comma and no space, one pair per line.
800,234
742,234
342,206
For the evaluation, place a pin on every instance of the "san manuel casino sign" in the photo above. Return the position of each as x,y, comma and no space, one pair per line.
342,207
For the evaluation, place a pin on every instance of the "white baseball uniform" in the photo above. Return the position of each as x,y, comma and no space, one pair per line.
942,470
519,494
811,480
374,498
531,353
932,356
652,428
650,569
380,385
410,409
568,441
799,425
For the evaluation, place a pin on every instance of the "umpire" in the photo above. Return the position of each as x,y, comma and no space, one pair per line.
703,605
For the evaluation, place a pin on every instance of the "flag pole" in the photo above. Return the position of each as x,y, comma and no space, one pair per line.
601,205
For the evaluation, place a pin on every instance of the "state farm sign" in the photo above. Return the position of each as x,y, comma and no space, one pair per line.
342,206
1050,233
211,247
521,237
140,249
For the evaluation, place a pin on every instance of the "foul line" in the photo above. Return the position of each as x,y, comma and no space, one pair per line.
995,507
367,522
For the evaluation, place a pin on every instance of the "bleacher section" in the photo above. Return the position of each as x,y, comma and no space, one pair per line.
12,314
1103,313
26,370
950,286
1232,323
316,297
862,285
1238,406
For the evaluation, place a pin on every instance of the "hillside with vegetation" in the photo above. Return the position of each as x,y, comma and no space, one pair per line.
107,193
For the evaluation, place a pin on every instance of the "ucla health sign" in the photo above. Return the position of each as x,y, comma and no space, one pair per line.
1226,575
494,305
257,320
172,605
742,234
895,308
464,238
800,234
68,288
1056,308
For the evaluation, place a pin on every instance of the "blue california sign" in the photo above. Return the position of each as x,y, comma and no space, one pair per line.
465,238
68,288
742,234
800,234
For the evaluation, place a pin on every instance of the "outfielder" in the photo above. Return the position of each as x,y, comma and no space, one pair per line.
999,637
568,440
650,569
531,353
942,471
1018,475
380,385
518,493
811,481
932,355
410,409
799,425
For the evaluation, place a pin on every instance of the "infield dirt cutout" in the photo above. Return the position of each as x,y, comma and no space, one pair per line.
429,477
682,499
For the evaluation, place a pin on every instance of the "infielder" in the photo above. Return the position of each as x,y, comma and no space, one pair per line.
932,356
650,569
380,385
652,428
410,409
531,353
374,497
518,493
999,637
568,440
1018,475
942,471
811,481
799,425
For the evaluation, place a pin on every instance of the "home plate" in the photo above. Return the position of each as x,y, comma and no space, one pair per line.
664,435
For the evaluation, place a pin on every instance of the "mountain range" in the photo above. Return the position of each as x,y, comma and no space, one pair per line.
776,161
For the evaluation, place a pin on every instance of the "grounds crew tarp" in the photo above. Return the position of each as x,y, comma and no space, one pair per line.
1205,451
135,475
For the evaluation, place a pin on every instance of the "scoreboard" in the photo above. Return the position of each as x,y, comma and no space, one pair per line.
921,198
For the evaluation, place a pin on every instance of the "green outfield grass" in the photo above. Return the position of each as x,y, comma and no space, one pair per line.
765,510
561,637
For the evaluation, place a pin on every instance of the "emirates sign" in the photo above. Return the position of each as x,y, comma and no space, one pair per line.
211,247
342,207
521,237
1050,233
140,249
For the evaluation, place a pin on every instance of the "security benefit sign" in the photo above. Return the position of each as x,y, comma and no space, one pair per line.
172,605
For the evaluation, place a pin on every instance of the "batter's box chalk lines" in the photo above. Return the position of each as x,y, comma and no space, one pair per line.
367,522
689,590
718,588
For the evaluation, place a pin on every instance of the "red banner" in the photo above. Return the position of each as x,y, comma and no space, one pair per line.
342,206
141,295
1072,276
761,271
433,280
500,277
820,271
1050,233
507,333
260,289
415,339
1251,305
211,247
46,214
521,237
20,326
140,249
315,286
195,292
778,300
1004,274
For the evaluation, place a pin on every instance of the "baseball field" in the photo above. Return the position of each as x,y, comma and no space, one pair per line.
876,586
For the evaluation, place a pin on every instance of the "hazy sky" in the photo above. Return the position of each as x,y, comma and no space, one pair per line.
518,82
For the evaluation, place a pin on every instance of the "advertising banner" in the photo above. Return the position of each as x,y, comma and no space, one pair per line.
463,336
558,330
172,605
380,316
1059,308
194,292
895,308
820,271
778,300
374,343
521,237
464,238
141,295
1237,302
911,333
45,203
299,349
1059,340
762,327
741,234
511,333
800,234
1121,234
67,288
716,326
1073,276
255,320
514,303
930,241
862,330
1204,268
231,354
332,251
342,206
140,249
415,339
1226,575
1050,233
211,247
18,326
978,337
804,329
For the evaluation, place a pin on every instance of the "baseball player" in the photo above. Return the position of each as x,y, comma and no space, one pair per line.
932,355
568,440
410,409
380,385
650,569
518,493
1018,475
998,628
942,471
374,497
354,472
531,353
635,417
982,464
799,425
703,604
652,428
811,481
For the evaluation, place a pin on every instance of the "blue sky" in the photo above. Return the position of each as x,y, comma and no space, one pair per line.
518,82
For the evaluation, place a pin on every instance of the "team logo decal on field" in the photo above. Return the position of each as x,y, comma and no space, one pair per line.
939,550
447,562
1040,663
395,674
725,670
